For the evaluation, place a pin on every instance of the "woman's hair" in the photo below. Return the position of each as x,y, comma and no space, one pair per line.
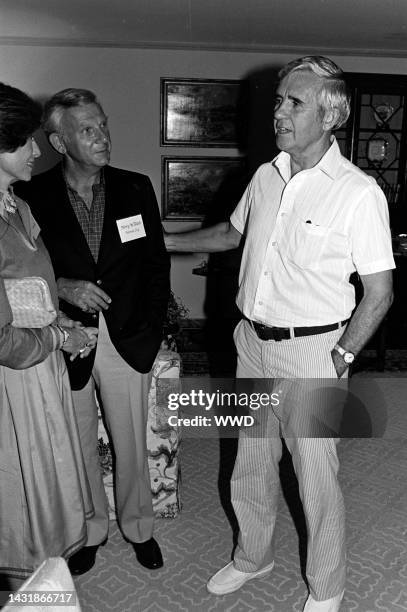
20,116
55,107
333,92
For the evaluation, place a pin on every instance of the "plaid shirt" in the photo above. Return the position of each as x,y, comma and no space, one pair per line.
90,219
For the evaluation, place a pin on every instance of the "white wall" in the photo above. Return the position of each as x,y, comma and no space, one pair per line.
128,85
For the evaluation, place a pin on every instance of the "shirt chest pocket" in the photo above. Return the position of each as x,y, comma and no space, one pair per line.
310,246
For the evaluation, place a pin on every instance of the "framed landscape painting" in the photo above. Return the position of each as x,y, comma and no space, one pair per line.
203,113
190,184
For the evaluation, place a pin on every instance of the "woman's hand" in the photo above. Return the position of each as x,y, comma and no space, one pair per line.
77,342
92,333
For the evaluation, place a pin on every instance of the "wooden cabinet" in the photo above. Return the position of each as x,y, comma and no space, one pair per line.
375,136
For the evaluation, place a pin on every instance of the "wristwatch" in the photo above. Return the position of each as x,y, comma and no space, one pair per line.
347,356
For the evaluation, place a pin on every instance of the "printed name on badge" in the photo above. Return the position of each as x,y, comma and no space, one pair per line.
131,228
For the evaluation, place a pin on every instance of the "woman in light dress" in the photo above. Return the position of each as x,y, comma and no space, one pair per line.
44,493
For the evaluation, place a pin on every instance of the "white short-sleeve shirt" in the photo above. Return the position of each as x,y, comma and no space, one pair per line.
305,235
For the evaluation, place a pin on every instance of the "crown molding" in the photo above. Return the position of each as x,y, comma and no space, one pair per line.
21,41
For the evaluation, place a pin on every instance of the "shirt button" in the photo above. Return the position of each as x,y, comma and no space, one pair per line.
265,273
260,303
99,282
274,243
94,316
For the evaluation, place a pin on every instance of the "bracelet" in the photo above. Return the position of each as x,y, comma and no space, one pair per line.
65,335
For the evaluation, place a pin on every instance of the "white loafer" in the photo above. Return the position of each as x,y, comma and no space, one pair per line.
328,605
229,579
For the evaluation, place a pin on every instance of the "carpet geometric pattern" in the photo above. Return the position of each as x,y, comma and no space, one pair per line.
199,541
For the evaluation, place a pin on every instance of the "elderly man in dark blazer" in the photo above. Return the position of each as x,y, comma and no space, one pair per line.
102,228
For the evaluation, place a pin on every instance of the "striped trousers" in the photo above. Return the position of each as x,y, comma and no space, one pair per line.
255,481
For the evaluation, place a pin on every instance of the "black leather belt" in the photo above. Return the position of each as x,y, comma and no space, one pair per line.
286,333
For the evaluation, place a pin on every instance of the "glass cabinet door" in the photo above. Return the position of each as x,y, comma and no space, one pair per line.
375,137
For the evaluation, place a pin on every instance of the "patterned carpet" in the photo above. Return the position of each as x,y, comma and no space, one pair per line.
198,542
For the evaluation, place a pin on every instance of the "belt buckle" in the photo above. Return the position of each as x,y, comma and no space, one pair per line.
279,333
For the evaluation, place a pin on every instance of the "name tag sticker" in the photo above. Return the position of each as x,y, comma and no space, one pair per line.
131,228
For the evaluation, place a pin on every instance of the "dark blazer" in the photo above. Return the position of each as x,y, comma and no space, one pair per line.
134,274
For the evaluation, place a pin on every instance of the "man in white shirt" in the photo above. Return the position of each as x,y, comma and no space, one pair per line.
310,218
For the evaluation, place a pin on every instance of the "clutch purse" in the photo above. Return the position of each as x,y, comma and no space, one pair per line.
30,301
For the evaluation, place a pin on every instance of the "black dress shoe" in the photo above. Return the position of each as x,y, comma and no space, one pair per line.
83,560
148,554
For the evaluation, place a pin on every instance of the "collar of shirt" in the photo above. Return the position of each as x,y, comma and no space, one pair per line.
329,163
96,187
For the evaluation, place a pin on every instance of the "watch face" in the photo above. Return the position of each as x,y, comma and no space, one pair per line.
348,357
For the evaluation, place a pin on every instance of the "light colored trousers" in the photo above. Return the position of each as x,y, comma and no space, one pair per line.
255,481
123,395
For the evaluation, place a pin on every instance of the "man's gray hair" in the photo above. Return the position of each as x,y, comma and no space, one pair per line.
55,107
333,93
